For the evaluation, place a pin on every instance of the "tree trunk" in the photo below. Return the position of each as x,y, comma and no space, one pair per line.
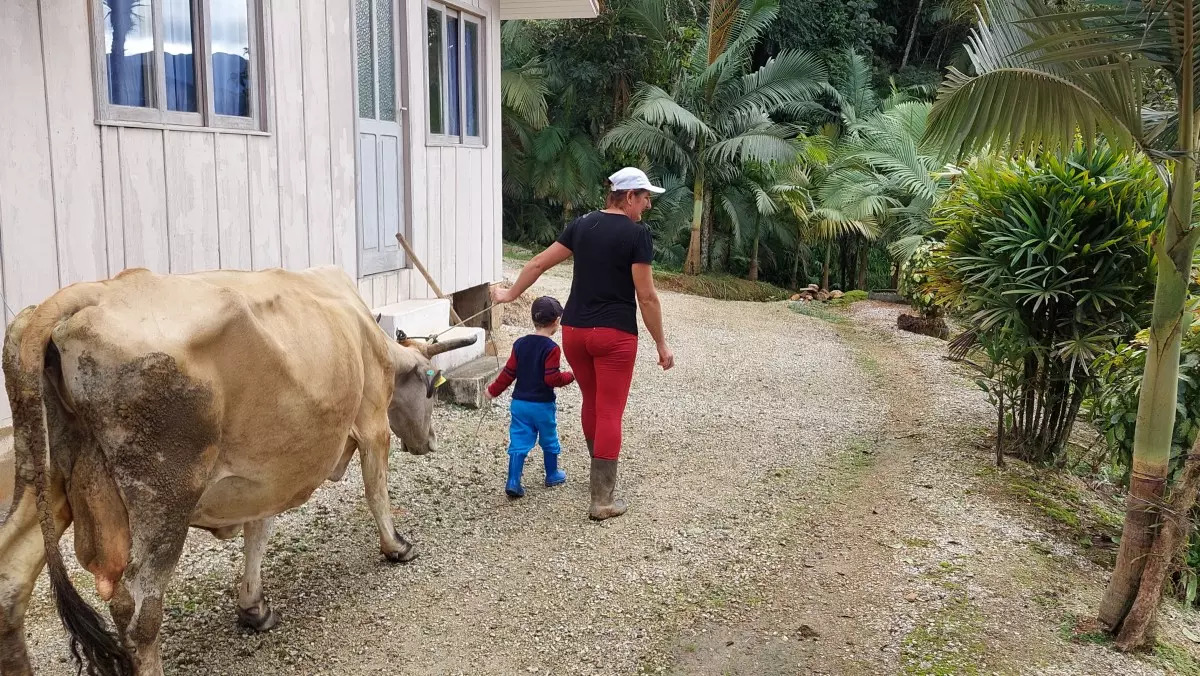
753,276
825,271
1000,428
1160,382
794,281
864,252
845,253
800,262
1138,630
691,265
706,232
912,34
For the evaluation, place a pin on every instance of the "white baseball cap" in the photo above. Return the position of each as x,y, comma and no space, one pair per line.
632,178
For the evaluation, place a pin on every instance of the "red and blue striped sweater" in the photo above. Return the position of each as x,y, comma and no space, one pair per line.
534,365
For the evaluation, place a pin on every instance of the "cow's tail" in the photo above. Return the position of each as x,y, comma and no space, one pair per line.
25,346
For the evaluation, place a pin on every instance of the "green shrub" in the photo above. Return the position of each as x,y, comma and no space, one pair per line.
915,279
1050,259
850,298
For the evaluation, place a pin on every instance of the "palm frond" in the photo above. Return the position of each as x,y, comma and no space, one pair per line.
765,144
658,108
788,78
524,91
1034,88
656,144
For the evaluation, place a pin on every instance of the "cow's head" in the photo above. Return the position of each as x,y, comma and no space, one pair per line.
410,412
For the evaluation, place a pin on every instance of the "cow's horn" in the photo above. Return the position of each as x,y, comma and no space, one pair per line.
434,349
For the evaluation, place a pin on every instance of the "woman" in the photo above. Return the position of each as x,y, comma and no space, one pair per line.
612,277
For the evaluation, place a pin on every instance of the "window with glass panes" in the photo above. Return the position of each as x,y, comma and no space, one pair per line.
454,74
183,62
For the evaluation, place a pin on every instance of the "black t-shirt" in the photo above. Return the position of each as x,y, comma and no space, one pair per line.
605,247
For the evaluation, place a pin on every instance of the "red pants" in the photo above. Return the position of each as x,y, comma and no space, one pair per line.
602,360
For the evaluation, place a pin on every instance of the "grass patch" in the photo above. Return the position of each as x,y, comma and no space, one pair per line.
1175,659
1083,517
949,643
819,311
860,453
719,287
1045,502
850,298
1075,629
517,252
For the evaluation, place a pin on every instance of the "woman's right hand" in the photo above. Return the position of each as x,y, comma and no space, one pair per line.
501,295
666,358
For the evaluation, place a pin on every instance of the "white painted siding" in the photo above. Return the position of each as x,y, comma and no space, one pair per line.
549,9
454,217
81,201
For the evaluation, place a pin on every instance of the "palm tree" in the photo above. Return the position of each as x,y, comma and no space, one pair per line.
551,161
882,177
1041,78
718,117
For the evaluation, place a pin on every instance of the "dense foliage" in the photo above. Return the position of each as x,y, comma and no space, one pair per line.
758,111
1050,258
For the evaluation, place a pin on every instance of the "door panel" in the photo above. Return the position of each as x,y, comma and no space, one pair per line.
380,139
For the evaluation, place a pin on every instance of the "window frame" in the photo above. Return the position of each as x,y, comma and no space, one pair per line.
206,117
464,14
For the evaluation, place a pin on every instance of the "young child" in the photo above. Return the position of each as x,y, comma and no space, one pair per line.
534,365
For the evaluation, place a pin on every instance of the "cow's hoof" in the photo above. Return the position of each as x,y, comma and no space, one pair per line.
405,554
259,618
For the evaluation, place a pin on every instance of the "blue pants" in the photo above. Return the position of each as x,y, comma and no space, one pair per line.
533,423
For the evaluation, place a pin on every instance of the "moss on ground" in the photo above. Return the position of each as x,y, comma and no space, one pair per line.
1076,629
819,311
1087,519
948,643
850,298
719,287
1175,659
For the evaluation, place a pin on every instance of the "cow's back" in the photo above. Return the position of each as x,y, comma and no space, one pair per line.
271,367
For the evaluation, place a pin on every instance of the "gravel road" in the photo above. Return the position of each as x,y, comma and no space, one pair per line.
726,459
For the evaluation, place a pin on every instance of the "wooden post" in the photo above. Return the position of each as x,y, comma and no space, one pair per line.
425,273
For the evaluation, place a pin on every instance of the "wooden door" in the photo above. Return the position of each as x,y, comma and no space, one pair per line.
381,165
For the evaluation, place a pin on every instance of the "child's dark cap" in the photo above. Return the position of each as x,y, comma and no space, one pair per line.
546,310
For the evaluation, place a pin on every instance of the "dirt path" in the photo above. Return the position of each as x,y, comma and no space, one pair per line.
806,497
916,563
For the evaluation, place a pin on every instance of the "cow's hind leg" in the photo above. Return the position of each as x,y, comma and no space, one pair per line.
22,556
137,607
374,454
253,611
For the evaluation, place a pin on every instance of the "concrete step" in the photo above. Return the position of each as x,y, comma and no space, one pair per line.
419,318
448,361
466,384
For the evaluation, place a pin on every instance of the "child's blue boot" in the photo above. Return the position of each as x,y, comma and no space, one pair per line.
554,475
516,465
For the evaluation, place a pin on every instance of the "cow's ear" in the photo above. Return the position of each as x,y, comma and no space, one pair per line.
433,378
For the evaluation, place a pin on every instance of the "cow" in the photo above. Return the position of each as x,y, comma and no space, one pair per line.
146,405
